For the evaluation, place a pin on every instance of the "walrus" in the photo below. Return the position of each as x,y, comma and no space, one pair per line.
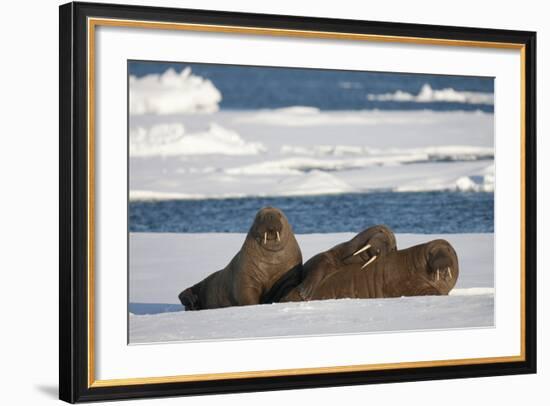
426,269
269,251
362,250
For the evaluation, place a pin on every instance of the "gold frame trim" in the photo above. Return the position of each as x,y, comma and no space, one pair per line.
94,22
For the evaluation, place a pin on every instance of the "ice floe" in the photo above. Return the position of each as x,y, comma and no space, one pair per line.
429,95
171,139
172,92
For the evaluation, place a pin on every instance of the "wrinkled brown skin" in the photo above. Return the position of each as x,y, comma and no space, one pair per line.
408,272
323,266
253,270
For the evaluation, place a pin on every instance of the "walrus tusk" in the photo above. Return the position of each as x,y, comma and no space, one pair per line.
369,261
366,247
449,272
437,273
265,237
278,236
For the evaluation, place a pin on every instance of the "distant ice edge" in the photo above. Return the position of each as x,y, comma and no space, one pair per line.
463,184
429,95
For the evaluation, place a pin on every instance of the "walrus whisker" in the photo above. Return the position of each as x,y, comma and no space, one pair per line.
366,247
437,273
449,272
369,261
278,236
265,238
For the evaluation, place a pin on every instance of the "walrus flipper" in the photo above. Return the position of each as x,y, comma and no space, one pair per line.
189,299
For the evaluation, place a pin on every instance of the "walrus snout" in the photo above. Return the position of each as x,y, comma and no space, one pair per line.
386,235
442,263
189,299
272,222
382,240
369,245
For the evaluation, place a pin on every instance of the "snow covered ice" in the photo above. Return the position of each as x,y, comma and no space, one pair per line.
172,92
247,153
163,264
429,95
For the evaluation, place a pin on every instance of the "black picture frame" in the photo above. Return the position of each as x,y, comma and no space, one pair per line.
74,383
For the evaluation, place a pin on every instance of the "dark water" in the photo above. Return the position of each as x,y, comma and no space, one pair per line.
418,212
153,308
249,87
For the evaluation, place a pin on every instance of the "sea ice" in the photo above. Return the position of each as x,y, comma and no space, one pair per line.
238,153
161,265
172,92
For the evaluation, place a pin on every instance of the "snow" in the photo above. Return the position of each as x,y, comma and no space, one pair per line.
161,265
171,139
172,92
296,165
472,291
343,316
436,153
429,95
304,151
302,116
311,183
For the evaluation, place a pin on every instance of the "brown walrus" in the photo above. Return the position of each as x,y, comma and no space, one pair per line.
360,251
425,269
269,251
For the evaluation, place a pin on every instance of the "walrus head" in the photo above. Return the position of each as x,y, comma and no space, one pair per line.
270,229
369,245
426,269
442,265
190,299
